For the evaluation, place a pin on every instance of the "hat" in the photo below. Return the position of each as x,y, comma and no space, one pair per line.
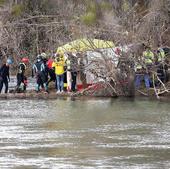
39,58
44,55
25,60
9,61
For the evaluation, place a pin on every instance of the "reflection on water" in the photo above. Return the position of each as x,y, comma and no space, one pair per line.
84,134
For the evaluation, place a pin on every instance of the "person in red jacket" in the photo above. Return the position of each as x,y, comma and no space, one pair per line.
51,71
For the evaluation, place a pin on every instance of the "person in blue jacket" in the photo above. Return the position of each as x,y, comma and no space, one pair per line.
40,72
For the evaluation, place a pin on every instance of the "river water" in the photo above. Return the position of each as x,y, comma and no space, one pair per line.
93,133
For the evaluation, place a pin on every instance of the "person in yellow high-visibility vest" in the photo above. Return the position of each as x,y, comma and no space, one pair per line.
160,55
143,70
148,57
58,65
161,65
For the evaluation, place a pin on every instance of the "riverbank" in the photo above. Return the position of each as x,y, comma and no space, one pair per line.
94,91
53,95
34,95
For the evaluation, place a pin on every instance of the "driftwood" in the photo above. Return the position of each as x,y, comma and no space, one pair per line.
152,92
100,89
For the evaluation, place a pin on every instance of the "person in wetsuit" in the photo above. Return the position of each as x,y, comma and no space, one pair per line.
21,78
46,71
4,75
39,70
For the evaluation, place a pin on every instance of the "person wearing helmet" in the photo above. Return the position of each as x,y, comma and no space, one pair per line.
21,78
39,70
4,75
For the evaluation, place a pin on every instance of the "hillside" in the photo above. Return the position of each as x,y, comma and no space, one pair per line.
28,27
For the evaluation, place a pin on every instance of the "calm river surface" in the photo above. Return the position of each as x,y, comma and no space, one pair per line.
95,133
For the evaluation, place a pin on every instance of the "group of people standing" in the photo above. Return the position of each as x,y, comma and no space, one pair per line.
58,70
149,64
65,67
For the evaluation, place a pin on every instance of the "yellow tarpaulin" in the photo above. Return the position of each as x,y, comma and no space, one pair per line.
81,45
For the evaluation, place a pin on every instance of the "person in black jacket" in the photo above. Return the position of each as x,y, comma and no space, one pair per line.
72,65
21,78
46,72
4,75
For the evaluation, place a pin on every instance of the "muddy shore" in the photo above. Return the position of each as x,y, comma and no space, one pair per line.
54,95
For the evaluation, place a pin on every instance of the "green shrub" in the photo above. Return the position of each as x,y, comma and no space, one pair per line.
106,6
91,7
17,10
125,5
89,18
2,2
